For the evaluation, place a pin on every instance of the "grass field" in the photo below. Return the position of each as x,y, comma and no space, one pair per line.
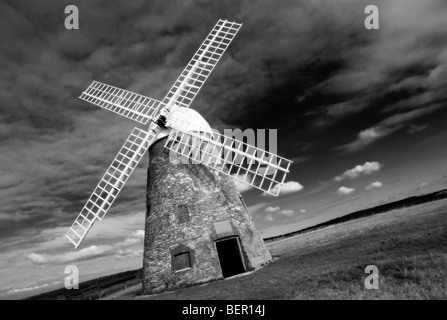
409,247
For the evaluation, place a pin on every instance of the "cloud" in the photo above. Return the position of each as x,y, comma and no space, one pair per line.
279,211
67,257
385,128
365,169
28,288
241,186
303,210
258,207
287,188
291,187
272,209
415,129
287,213
343,191
269,217
423,185
89,253
128,253
134,238
365,138
369,134
39,254
374,185
300,159
331,115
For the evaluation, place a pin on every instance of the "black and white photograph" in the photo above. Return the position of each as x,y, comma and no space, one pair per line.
198,151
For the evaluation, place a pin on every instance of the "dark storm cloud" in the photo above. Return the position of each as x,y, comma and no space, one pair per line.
415,128
56,145
403,68
385,128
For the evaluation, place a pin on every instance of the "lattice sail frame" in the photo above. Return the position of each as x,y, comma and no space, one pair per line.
111,183
244,162
142,109
128,104
194,75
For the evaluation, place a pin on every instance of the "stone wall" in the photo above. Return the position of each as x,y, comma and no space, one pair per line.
183,203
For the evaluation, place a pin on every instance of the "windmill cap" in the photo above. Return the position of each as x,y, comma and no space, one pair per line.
186,119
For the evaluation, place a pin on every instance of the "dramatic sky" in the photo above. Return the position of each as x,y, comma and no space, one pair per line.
361,112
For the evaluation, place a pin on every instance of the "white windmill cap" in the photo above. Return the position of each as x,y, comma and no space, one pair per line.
186,119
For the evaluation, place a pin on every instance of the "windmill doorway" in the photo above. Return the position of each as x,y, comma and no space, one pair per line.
230,256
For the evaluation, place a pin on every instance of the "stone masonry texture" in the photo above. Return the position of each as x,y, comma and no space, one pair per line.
183,203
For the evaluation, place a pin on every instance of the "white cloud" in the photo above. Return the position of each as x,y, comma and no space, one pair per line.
269,217
365,169
423,185
128,253
366,137
134,238
286,188
241,186
91,252
303,210
272,209
116,226
138,234
28,288
84,254
254,209
342,191
374,185
386,127
278,211
369,134
287,212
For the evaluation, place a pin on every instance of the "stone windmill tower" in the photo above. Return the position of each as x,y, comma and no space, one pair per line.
197,226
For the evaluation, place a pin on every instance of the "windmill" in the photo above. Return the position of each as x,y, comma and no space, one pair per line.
187,135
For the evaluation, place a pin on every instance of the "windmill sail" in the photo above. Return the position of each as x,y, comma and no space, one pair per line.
128,104
202,63
268,173
142,109
111,183
246,163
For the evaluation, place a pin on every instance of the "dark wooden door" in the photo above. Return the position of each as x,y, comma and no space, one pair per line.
230,257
